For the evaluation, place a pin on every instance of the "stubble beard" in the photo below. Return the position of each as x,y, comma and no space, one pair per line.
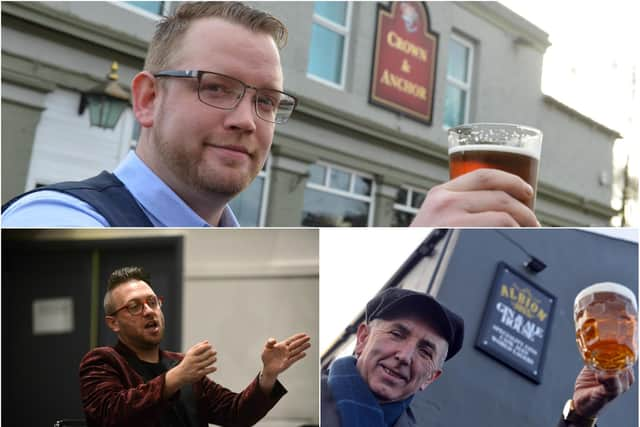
151,343
138,341
195,174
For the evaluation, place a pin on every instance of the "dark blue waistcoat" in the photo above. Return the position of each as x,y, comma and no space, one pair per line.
106,194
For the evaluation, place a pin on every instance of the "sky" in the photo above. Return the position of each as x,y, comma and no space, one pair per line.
592,63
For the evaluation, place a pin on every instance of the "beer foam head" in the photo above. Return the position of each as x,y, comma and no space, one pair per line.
523,151
498,134
607,287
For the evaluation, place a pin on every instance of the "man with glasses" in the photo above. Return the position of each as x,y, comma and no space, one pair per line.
135,383
208,101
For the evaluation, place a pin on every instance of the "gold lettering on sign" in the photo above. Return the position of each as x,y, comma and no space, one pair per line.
403,85
405,67
523,301
397,42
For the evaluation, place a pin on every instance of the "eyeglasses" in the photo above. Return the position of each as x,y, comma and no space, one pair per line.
224,92
135,307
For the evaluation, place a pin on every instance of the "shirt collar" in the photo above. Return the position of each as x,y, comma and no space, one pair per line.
163,207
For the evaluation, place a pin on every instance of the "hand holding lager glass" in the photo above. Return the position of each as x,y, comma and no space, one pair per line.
606,316
508,147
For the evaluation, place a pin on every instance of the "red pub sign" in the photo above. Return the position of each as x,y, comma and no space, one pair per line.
404,60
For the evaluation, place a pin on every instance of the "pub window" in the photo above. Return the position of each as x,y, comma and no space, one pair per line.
337,197
408,202
329,42
458,94
249,207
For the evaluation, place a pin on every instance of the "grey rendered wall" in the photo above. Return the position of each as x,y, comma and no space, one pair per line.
53,45
340,126
17,143
506,73
81,38
576,153
477,390
118,18
508,86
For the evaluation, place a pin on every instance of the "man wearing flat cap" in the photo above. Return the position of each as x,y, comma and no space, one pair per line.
401,348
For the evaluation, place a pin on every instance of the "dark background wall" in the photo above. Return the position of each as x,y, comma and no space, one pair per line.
478,390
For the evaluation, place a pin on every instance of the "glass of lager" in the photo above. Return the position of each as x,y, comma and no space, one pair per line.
606,316
508,147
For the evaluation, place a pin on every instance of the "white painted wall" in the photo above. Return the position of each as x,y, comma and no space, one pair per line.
242,287
67,148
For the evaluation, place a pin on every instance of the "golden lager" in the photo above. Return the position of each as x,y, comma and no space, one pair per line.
606,316
511,148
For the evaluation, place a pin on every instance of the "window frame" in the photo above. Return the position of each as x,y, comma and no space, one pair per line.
266,174
166,8
407,208
324,187
342,30
464,86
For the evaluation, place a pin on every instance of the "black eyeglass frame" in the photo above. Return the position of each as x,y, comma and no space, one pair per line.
145,302
197,74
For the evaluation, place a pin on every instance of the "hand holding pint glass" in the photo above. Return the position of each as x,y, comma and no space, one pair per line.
494,175
606,316
509,147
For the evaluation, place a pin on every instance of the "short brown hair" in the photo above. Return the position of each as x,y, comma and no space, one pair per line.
120,276
171,29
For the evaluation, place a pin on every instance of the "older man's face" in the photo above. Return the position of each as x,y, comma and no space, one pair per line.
398,357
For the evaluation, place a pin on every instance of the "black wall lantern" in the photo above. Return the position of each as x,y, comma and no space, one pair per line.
106,101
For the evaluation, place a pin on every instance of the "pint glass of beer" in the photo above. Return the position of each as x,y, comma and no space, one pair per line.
508,147
606,316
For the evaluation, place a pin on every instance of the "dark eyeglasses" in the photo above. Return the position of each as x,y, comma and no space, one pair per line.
135,307
224,92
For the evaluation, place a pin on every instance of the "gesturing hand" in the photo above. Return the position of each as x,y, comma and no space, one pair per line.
279,356
593,390
197,362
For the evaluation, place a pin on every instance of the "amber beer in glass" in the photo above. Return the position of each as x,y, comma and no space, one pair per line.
509,147
606,316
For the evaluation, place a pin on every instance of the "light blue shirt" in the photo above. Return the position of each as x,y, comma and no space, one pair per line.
163,207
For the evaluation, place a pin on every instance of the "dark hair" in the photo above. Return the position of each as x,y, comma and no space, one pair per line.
120,276
171,29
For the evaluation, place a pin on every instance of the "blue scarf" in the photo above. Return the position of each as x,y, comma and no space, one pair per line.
357,406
